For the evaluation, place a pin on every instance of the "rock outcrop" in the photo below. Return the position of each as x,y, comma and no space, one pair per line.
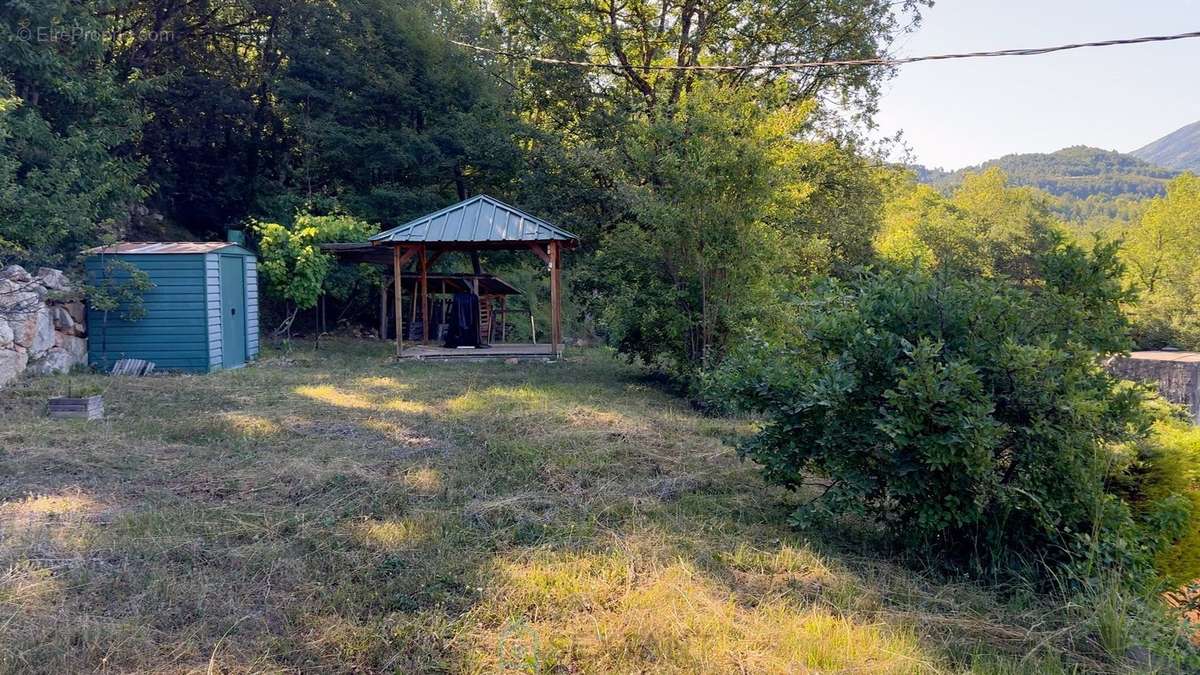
42,330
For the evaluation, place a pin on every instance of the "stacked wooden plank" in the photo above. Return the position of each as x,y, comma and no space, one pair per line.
132,367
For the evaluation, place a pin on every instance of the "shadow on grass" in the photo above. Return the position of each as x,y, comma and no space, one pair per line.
339,511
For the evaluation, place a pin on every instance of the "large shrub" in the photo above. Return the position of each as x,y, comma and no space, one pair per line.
968,417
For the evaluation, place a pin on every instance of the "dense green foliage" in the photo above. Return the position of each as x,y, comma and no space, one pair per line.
1159,477
724,232
712,195
68,174
212,112
966,416
959,403
1161,251
392,122
210,139
985,227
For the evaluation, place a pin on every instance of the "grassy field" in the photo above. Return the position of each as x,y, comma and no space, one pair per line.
335,511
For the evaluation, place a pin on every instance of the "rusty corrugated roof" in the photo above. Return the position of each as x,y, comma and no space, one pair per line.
478,220
160,247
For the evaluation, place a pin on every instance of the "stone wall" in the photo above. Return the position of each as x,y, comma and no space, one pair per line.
1177,375
42,330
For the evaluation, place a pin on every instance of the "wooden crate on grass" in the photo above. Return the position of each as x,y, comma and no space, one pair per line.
88,407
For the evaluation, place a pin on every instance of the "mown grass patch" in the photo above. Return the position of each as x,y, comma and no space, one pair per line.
332,510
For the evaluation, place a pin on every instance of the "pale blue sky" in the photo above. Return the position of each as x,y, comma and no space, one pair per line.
959,113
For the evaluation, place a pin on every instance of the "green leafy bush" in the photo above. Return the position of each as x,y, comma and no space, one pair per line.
296,270
967,417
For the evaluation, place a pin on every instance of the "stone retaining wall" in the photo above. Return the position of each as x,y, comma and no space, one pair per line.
1176,374
42,330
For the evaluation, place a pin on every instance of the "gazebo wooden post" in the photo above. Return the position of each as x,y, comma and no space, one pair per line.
396,276
424,295
503,319
383,310
555,301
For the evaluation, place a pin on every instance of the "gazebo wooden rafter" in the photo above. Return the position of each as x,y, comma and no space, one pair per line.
480,223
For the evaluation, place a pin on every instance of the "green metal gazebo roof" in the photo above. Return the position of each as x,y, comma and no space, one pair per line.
480,220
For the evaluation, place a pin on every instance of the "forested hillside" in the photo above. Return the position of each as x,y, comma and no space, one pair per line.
1179,149
1077,172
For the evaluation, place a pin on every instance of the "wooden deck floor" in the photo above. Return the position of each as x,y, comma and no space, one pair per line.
525,352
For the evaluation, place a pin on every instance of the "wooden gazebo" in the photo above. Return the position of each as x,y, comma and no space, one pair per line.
477,224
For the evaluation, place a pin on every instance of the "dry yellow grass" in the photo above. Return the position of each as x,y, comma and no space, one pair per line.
333,511
614,613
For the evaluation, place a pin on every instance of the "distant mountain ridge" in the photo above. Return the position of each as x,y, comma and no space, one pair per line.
1078,171
1179,149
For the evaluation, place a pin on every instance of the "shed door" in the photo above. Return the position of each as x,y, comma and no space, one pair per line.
233,311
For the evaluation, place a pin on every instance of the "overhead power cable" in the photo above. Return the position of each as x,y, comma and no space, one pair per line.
803,65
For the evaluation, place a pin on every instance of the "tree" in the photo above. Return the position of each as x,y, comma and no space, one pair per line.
388,118
261,107
634,37
984,227
296,270
673,280
69,125
8,165
212,139
738,213
1161,253
708,178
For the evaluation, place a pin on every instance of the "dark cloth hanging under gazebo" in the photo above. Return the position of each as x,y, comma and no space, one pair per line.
462,322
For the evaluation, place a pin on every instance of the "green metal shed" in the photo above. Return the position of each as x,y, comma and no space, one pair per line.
201,314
